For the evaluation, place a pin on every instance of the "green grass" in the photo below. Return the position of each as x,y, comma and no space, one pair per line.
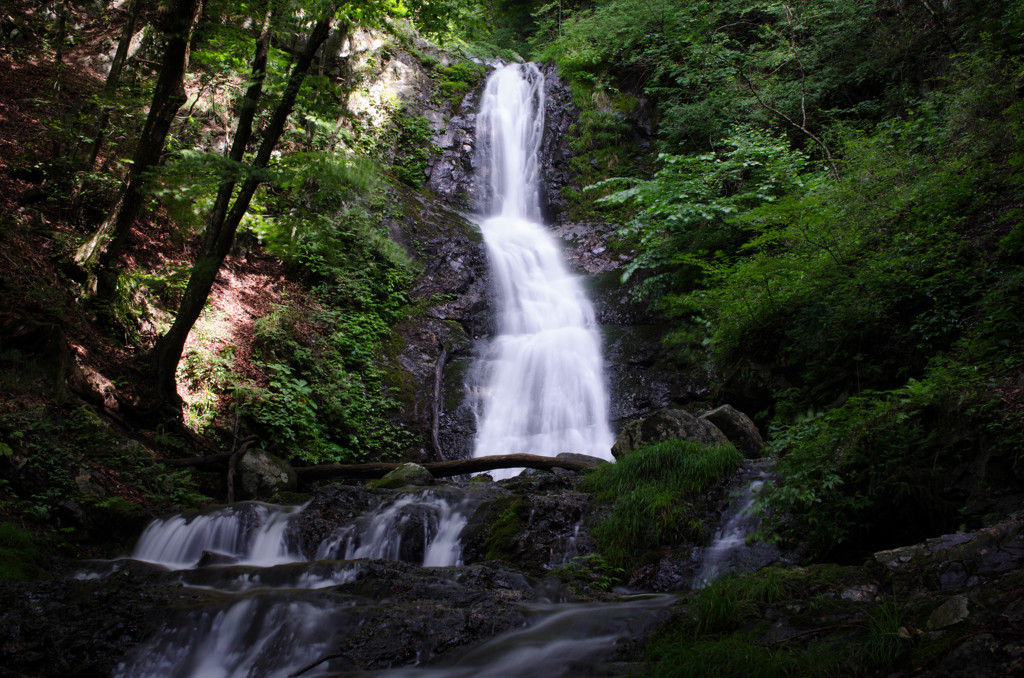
652,493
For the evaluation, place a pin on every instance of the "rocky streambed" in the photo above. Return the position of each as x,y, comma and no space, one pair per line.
349,587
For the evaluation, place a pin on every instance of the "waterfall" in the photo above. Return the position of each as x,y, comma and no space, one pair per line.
540,382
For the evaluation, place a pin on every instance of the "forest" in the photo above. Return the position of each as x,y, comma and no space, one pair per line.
236,226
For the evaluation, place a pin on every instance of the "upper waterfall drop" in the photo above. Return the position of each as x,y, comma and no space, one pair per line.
540,384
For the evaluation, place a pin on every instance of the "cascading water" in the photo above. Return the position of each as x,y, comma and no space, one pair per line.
272,616
733,547
540,382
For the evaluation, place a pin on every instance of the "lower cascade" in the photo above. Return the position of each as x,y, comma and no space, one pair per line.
318,590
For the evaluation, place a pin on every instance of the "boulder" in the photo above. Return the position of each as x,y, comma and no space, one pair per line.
403,476
667,424
951,612
261,474
738,428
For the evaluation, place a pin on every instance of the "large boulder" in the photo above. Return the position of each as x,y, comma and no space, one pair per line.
667,424
261,474
738,428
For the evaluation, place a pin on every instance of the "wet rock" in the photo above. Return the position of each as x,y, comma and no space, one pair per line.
216,558
951,612
559,116
860,594
738,428
404,476
261,474
536,522
959,559
663,425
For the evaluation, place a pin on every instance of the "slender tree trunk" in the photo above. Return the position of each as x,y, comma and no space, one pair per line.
220,232
113,80
103,250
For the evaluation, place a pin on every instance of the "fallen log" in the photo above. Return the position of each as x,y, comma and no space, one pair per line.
441,469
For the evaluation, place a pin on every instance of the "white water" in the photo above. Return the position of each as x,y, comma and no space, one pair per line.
248,533
542,387
412,523
423,528
733,547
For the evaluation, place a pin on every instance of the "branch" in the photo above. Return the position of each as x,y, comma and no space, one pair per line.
441,469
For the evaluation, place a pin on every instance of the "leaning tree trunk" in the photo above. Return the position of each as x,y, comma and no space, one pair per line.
101,254
220,232
113,80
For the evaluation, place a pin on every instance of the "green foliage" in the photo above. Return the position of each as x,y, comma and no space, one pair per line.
719,634
884,645
687,222
413,148
727,602
589,572
848,470
452,83
652,492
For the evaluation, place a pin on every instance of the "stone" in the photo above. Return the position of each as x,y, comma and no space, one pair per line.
261,474
667,424
404,476
951,612
738,428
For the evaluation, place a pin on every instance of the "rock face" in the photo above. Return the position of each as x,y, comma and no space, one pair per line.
666,425
263,475
738,428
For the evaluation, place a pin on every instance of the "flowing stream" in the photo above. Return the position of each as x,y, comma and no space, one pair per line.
541,386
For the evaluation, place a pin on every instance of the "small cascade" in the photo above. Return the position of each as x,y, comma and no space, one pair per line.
540,383
259,635
562,641
249,533
422,529
274,614
732,549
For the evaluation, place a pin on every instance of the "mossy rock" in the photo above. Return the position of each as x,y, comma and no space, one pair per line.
405,475
20,554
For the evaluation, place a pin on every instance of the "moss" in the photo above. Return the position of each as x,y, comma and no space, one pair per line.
452,83
20,554
500,539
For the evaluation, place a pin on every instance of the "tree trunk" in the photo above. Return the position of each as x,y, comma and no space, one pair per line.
113,79
103,250
442,469
220,232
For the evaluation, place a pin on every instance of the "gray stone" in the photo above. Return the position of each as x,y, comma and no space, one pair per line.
263,475
951,612
404,476
738,428
663,425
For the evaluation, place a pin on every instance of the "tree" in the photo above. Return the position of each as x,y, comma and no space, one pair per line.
100,254
224,220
